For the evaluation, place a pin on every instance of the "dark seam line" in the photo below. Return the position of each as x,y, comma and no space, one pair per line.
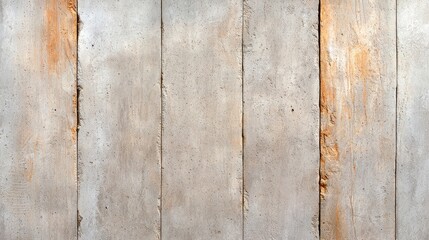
77,115
320,118
396,112
161,121
242,119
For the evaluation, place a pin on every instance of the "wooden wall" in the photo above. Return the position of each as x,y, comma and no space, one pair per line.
214,119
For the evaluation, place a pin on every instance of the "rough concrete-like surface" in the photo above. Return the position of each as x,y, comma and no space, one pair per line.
202,143
37,119
358,89
413,115
281,119
120,111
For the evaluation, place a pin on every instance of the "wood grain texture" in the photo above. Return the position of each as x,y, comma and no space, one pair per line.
202,139
120,110
281,119
37,119
358,102
413,114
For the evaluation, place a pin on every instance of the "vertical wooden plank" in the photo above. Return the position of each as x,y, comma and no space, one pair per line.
202,140
120,110
281,119
37,119
358,102
413,114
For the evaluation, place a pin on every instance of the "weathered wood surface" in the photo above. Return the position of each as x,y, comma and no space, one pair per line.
120,110
37,119
358,89
413,115
281,119
202,139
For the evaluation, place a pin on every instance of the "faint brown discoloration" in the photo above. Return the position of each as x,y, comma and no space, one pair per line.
29,170
222,41
338,231
29,167
60,33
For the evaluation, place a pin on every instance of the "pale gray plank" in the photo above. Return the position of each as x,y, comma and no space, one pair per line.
120,110
281,119
202,140
37,119
358,89
413,115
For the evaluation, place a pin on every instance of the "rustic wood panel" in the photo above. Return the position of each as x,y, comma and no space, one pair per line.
413,115
358,102
281,119
37,119
202,139
120,110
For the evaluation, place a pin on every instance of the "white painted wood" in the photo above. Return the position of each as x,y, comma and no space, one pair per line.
202,141
358,115
37,119
120,110
281,119
413,115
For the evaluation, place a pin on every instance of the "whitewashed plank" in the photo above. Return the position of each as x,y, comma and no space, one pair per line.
37,119
413,115
358,102
281,119
120,110
202,141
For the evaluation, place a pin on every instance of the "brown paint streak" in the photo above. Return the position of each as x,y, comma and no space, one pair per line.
60,33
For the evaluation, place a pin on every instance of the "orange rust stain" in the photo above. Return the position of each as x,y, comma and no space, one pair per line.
60,33
361,60
323,182
74,103
328,68
74,133
52,32
359,71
